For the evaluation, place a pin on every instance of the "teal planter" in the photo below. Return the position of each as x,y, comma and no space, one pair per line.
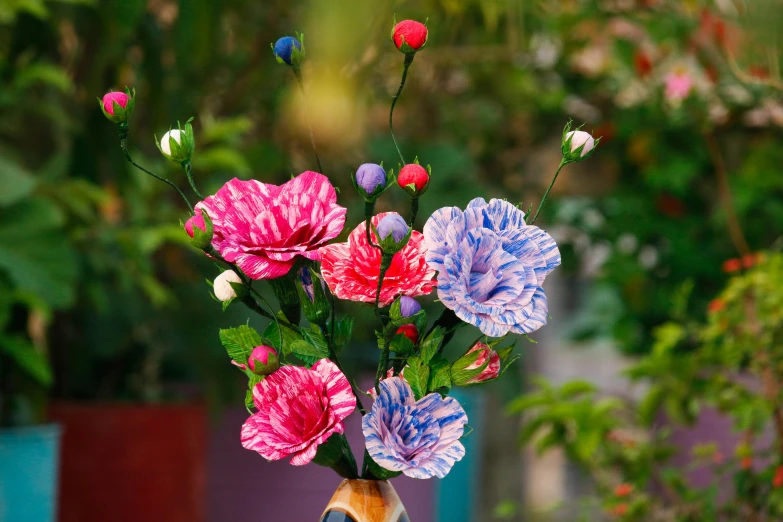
457,493
28,473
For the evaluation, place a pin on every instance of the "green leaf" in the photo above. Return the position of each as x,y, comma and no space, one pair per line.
239,342
308,353
379,472
440,374
315,337
333,454
280,338
429,346
417,374
402,346
343,331
15,181
573,389
29,358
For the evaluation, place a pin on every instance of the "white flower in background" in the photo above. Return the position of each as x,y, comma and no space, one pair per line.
627,244
632,94
580,109
222,285
718,113
737,94
648,257
165,145
545,50
591,61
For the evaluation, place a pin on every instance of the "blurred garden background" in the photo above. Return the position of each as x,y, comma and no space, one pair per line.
108,329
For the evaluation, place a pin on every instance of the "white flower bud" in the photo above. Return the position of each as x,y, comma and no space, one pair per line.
579,138
165,146
222,287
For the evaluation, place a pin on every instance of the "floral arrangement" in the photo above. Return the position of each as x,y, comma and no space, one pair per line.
487,262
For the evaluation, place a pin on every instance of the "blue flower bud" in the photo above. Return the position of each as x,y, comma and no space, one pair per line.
370,176
392,224
409,306
284,49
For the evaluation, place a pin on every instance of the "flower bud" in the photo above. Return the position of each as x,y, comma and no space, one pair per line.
577,144
263,360
178,144
409,331
623,490
370,180
117,106
226,284
289,50
467,370
392,233
409,306
199,228
409,36
414,179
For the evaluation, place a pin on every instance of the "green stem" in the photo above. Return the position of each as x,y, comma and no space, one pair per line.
383,365
414,210
546,194
300,81
369,209
386,260
408,61
123,131
189,174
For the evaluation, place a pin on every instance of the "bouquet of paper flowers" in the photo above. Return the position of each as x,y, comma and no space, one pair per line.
487,263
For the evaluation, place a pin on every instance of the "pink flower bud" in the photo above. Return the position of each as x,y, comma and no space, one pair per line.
413,174
263,360
195,221
110,98
411,32
492,371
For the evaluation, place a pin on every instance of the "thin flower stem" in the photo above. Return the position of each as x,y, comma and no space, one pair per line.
414,210
386,260
300,82
189,173
405,65
123,130
383,364
546,194
369,210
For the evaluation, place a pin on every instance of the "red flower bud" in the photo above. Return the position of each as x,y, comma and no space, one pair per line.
409,331
623,490
732,265
412,32
414,174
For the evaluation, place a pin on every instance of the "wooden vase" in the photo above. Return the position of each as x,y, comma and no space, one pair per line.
365,501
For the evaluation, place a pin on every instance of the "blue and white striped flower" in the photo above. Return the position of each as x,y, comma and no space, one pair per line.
491,265
420,439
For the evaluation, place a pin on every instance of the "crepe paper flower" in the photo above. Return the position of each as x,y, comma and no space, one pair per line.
223,288
678,85
492,370
420,439
409,306
178,144
263,360
392,224
199,228
117,106
371,392
491,265
409,331
298,409
371,178
409,36
263,228
288,50
238,365
351,269
413,178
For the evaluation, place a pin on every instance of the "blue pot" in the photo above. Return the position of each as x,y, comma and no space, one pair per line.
28,473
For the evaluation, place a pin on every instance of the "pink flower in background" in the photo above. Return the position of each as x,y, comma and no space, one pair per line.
298,409
678,85
492,371
351,269
263,228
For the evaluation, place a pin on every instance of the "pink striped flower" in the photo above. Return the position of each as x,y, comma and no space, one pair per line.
298,409
263,228
351,269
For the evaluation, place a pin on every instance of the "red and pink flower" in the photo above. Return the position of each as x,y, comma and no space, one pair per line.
298,409
492,371
351,269
263,228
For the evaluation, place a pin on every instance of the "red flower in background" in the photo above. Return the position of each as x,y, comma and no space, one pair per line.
351,269
732,265
716,305
777,480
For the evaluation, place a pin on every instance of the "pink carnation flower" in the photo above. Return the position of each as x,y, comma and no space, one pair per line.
351,269
263,227
298,409
678,85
